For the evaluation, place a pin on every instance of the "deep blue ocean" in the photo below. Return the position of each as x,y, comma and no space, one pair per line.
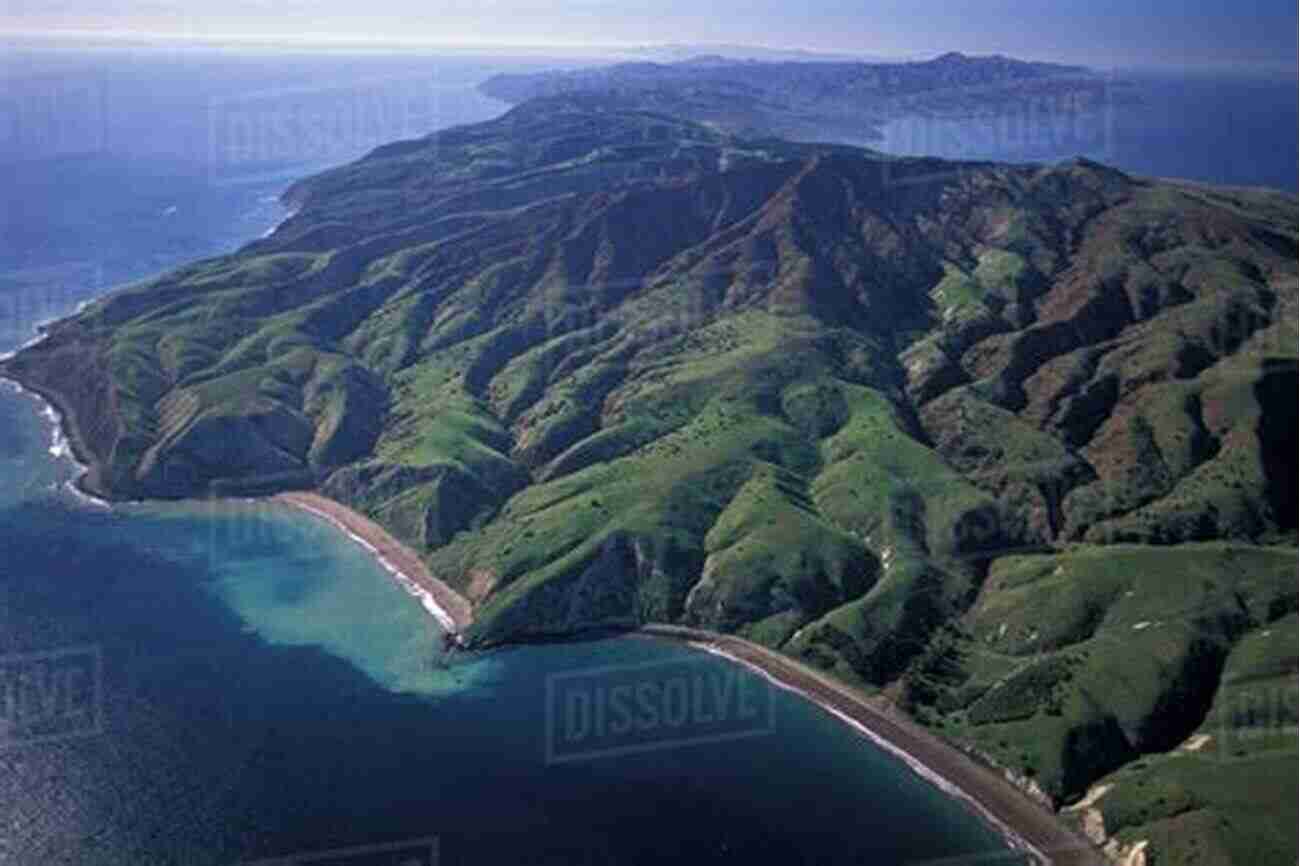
223,683
1235,129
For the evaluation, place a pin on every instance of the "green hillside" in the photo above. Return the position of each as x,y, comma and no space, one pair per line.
1015,444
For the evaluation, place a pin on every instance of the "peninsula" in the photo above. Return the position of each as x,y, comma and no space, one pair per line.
1012,447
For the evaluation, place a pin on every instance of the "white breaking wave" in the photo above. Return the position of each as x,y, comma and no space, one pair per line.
32,342
84,497
426,599
42,331
275,228
60,448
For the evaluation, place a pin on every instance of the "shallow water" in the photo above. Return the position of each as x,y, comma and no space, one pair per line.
267,689
214,683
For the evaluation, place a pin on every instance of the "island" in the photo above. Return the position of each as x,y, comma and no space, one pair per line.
842,101
1010,449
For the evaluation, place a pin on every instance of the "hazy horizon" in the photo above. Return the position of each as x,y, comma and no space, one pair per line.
1162,33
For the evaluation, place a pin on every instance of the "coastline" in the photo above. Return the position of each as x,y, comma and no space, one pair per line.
453,612
65,437
1026,825
292,212
65,442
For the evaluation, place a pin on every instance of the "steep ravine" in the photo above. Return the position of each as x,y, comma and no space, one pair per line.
905,420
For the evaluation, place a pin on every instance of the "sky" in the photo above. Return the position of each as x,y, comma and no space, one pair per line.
1103,32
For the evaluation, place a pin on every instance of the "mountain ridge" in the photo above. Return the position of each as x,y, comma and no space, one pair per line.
601,365
845,101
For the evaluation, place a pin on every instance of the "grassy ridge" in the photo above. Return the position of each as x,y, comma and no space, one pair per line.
1014,443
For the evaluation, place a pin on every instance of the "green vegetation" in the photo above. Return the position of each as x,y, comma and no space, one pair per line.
1015,444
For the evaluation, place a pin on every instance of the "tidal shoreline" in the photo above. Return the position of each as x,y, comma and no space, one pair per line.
1025,825
449,607
65,443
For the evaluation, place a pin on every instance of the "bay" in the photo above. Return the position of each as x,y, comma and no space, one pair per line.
221,683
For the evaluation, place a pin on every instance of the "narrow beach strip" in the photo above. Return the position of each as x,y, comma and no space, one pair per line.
1027,826
451,609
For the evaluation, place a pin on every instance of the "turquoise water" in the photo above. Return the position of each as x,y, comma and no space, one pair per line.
267,689
331,595
220,682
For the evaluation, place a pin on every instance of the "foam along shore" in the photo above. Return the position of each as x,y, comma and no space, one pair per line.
275,228
42,329
5,356
65,443
1027,826
451,609
61,444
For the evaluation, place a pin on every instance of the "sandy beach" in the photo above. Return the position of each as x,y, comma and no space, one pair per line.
451,609
1025,824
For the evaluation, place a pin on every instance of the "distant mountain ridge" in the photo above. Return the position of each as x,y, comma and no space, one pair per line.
672,53
1014,443
844,101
